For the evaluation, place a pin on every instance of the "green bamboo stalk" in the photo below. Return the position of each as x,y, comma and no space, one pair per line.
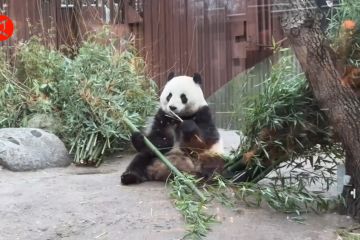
189,183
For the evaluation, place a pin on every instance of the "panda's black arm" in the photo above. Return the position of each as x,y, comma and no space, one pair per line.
206,125
159,135
201,125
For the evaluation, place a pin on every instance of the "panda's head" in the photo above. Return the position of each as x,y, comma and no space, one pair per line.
182,95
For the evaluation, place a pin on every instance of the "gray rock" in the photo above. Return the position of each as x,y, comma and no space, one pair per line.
47,122
24,149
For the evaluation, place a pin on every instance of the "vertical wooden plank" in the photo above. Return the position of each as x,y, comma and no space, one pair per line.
217,78
26,19
200,31
269,23
31,23
238,42
148,35
214,58
191,37
112,11
210,61
252,25
61,20
169,22
56,23
176,36
262,15
155,38
162,36
125,12
266,23
17,15
183,37
229,41
140,28
223,77
207,47
53,11
43,9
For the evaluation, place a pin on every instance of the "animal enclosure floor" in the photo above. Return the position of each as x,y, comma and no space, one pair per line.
87,203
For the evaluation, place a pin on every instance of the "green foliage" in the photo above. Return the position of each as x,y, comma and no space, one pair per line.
89,94
347,10
340,39
286,101
348,234
289,143
103,86
194,211
38,64
291,199
284,121
39,69
12,95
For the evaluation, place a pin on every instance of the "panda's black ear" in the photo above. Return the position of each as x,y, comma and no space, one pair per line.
171,76
197,78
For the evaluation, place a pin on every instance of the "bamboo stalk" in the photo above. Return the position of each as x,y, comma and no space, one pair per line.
189,183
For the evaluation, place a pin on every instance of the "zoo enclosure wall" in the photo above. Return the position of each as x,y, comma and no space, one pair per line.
217,38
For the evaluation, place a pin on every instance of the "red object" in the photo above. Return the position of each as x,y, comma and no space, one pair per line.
6,28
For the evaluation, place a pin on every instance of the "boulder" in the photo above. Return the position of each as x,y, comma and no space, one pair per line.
47,122
24,149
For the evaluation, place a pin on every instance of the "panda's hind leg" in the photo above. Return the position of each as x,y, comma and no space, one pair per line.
158,171
136,171
210,164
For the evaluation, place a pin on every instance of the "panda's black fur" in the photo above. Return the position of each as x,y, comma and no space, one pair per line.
185,143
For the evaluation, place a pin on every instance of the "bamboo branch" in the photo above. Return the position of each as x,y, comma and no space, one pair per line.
189,183
267,170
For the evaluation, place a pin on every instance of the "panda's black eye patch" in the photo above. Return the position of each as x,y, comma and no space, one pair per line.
169,97
183,98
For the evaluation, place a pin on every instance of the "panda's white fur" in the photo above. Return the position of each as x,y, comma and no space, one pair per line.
185,85
182,85
183,96
177,86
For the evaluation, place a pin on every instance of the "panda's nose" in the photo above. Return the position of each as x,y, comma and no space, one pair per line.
172,108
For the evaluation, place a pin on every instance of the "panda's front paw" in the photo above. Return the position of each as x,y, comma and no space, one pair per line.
188,128
137,140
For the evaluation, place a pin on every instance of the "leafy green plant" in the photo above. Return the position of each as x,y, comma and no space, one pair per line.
293,200
88,95
102,86
283,123
194,210
345,40
9,101
288,154
349,234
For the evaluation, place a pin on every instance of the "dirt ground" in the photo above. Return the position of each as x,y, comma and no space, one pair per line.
88,203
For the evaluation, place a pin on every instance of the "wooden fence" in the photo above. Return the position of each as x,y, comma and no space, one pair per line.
218,38
63,22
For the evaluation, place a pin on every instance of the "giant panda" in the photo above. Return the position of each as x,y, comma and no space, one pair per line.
192,143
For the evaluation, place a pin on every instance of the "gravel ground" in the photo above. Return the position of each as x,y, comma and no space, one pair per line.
88,203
